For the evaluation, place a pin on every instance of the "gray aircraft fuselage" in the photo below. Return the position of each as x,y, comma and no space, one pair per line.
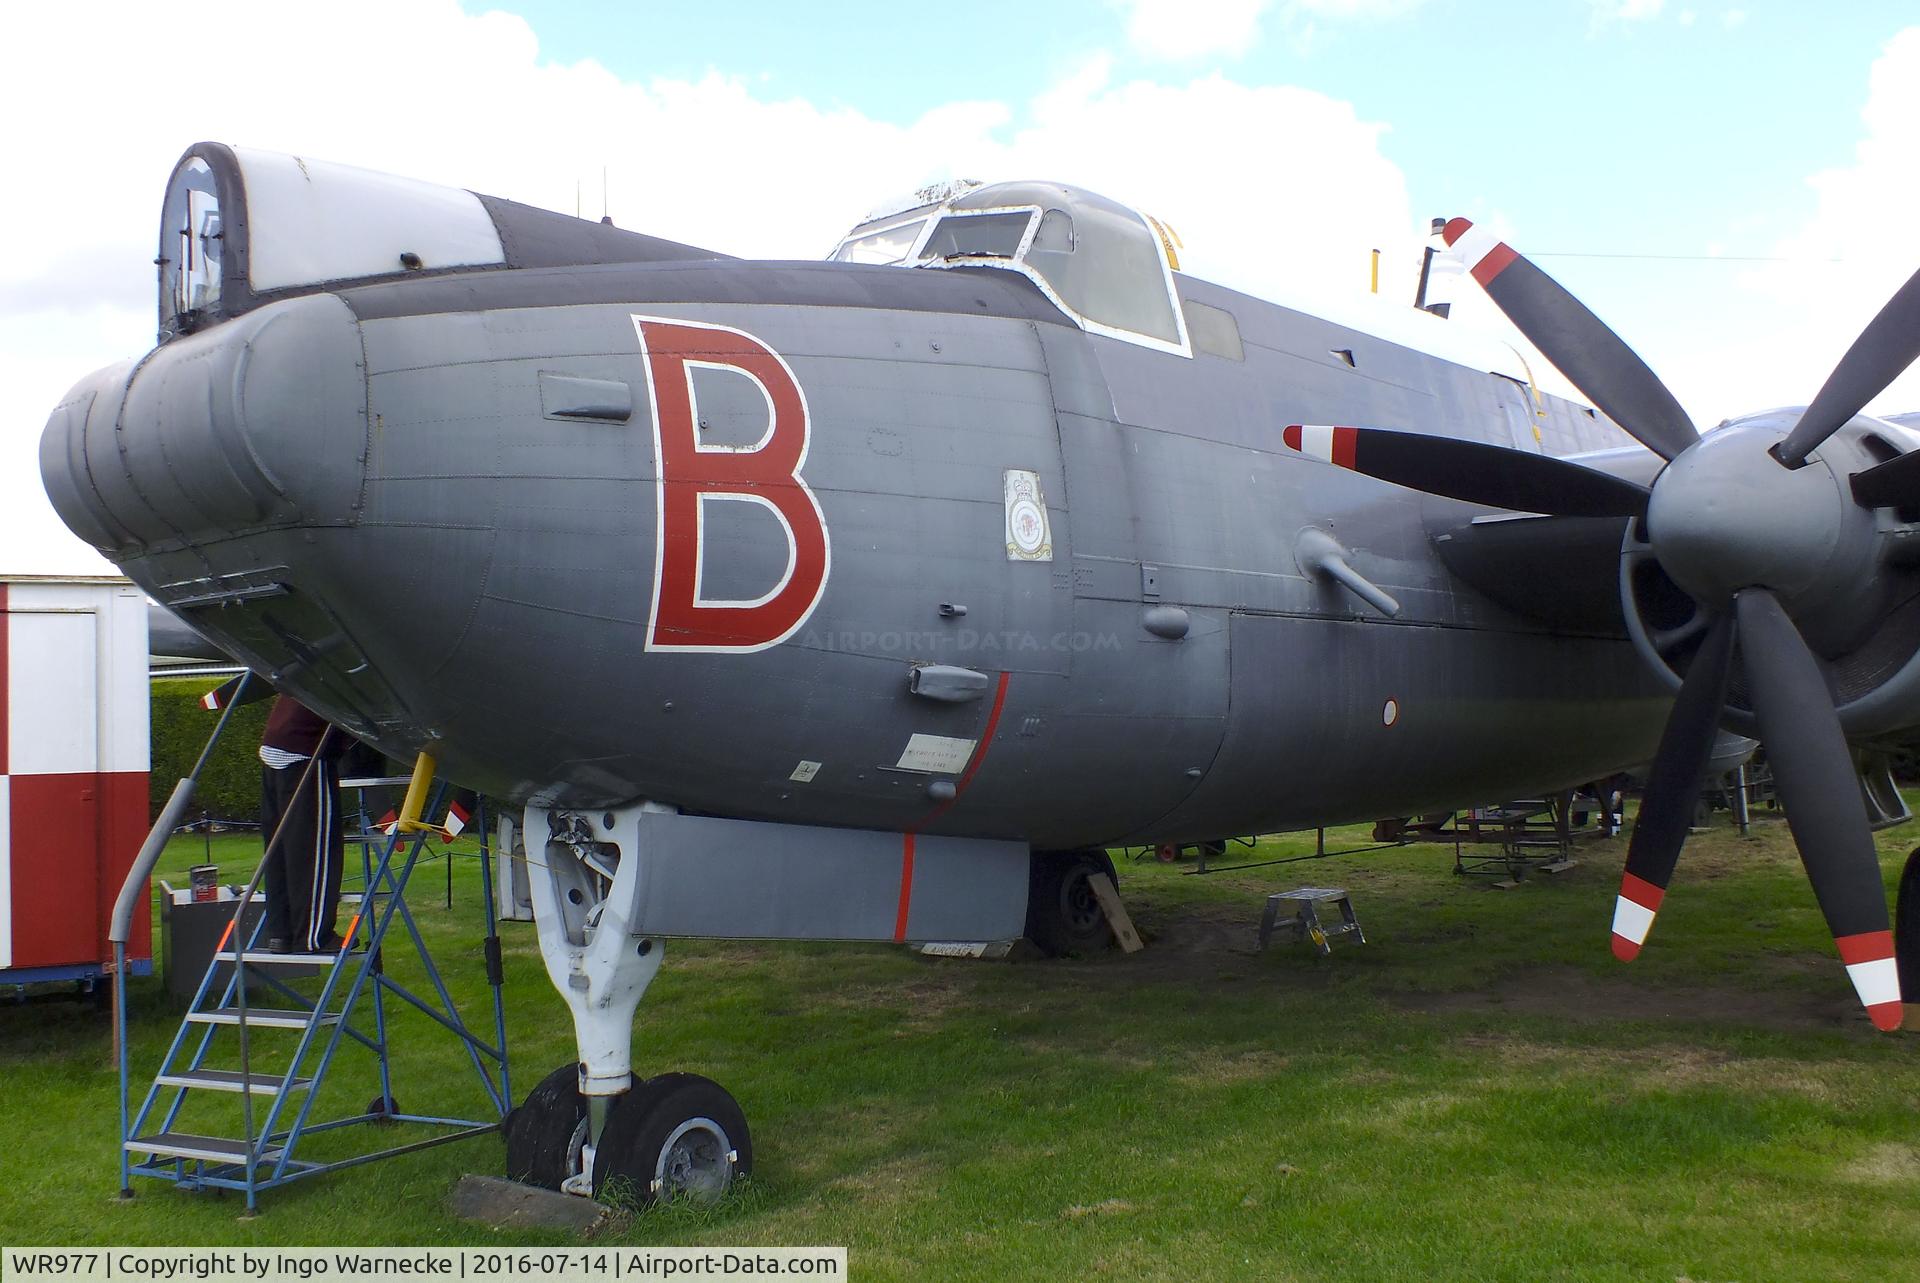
423,506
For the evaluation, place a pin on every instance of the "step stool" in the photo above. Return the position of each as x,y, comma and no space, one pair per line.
1302,917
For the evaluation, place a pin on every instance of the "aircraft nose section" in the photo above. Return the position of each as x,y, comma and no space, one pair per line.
257,422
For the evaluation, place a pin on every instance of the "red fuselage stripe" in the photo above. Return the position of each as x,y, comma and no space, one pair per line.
986,737
906,887
973,767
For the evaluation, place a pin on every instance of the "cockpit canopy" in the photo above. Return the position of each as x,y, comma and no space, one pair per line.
1108,267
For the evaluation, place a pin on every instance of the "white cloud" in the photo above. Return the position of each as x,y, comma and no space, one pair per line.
1177,30
1782,326
1184,30
1300,218
1605,12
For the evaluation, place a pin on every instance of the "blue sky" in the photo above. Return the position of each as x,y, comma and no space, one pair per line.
1480,98
1732,181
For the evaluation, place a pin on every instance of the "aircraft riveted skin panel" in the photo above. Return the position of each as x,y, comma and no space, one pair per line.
822,542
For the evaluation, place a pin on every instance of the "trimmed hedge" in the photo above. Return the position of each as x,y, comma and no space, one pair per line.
230,787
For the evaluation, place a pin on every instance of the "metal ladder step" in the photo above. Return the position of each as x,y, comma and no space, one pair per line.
211,1149
268,958
231,1080
261,1017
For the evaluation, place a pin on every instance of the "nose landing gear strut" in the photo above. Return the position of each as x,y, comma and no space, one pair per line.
588,1128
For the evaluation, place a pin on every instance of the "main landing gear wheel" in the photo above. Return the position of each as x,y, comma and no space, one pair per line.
674,1136
547,1133
1063,917
1906,930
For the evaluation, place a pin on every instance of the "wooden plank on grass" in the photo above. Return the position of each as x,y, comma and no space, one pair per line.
1116,912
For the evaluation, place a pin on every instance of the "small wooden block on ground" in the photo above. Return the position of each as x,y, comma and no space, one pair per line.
1116,912
505,1204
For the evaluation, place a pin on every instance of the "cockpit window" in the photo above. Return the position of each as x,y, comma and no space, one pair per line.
191,249
997,234
1106,265
884,245
1100,262
1109,268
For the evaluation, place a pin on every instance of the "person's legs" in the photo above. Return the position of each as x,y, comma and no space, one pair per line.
273,803
329,857
297,847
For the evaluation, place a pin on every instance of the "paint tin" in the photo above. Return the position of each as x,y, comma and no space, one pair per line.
205,880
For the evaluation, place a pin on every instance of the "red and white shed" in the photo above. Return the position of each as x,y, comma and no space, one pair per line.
73,772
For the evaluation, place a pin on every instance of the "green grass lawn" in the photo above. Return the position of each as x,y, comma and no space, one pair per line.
1480,1092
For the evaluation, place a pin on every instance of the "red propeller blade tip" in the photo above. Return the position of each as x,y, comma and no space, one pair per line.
1876,977
1633,913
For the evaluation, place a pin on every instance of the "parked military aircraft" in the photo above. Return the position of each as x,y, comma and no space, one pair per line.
872,598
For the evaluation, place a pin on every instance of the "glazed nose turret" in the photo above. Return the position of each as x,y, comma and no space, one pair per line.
261,421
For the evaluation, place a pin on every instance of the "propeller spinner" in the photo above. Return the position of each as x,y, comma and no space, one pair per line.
1771,543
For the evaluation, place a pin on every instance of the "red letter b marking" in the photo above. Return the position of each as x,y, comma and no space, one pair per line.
690,475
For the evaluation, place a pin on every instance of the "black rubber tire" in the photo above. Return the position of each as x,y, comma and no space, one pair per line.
1063,918
540,1133
647,1154
1906,928
383,1108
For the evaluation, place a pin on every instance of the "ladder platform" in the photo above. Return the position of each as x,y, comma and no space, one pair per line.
261,1017
232,1080
268,958
208,1149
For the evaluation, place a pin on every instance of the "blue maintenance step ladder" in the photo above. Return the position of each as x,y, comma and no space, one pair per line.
277,1104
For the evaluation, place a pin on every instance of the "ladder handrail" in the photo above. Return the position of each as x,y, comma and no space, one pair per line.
376,937
236,983
121,925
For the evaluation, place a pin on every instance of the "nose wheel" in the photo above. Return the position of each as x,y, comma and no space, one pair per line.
547,1134
675,1136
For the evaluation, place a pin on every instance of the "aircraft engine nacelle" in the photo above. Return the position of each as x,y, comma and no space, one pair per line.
1865,628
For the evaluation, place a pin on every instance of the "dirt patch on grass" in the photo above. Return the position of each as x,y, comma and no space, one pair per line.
905,1179
1885,1165
1211,1067
1665,1068
1111,1207
1569,994
923,1004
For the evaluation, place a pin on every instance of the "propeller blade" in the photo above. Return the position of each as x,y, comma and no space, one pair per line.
1470,471
1893,484
1814,775
1673,785
1576,341
1887,346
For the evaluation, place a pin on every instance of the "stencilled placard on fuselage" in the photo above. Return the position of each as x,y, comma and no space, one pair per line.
936,754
